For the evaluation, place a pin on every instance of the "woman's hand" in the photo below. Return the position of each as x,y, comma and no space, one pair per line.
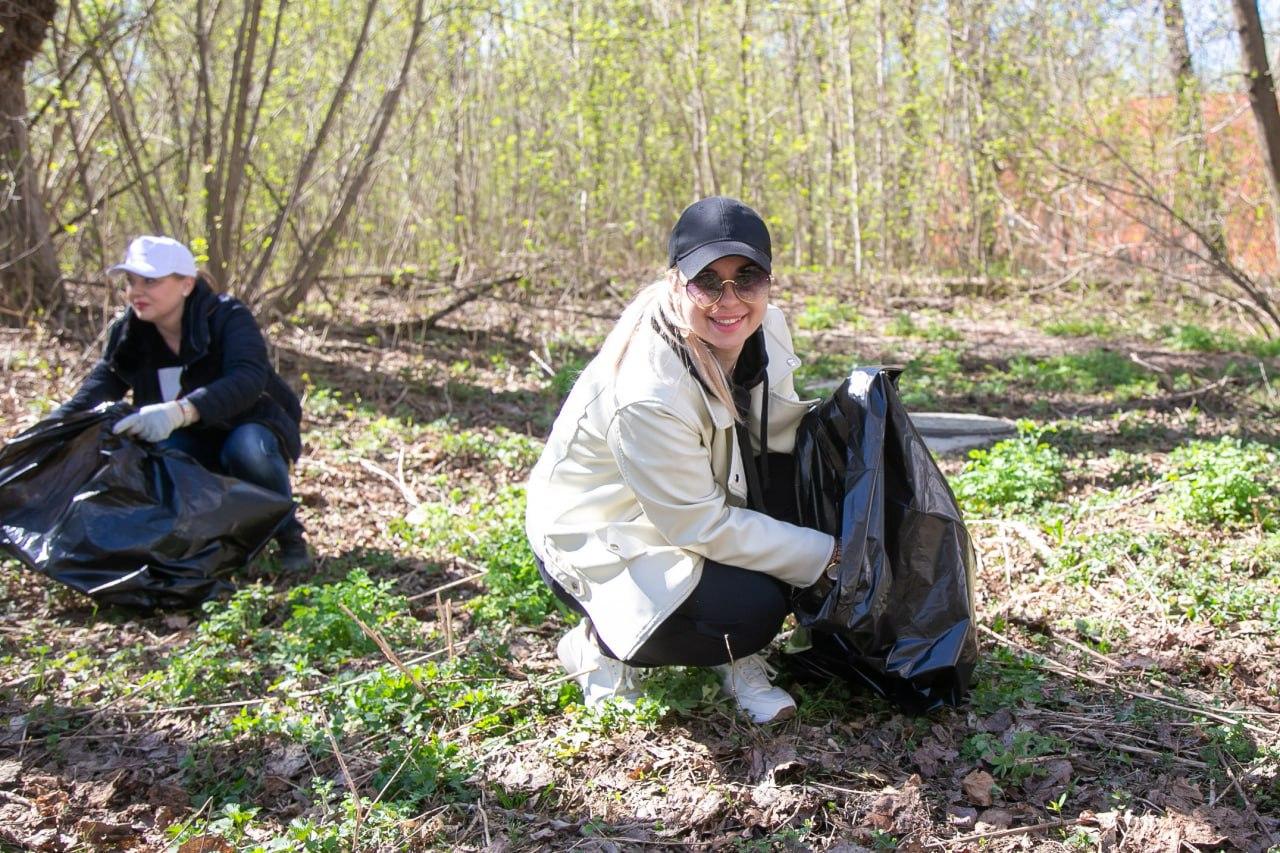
152,423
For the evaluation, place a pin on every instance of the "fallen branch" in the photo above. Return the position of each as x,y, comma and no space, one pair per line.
450,585
385,648
1062,669
1030,536
1003,833
1248,804
470,294
408,493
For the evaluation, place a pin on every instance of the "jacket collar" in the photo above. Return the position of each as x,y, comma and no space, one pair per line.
136,337
779,363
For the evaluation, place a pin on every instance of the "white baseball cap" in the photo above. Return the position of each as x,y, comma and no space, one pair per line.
156,257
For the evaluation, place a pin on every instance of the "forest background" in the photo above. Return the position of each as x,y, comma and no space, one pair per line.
305,147
1062,213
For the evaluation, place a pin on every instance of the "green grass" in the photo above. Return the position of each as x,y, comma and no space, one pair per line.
245,644
904,325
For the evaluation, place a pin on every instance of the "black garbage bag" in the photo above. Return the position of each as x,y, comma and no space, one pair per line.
898,616
124,521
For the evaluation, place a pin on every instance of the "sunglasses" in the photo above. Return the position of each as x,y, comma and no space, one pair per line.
750,285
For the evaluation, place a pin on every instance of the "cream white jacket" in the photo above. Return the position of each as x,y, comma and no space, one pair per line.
642,479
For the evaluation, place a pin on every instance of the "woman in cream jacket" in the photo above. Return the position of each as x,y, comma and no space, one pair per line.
652,510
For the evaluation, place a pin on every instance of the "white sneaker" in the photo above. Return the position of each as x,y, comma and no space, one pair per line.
747,680
600,676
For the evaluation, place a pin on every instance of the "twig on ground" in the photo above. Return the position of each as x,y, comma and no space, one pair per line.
1003,833
1030,536
542,363
448,586
1248,804
409,495
1138,497
1062,669
346,777
385,648
444,623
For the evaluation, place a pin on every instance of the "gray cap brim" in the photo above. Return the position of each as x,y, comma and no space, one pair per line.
697,260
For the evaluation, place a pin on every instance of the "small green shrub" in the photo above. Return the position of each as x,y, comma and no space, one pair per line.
1018,761
318,629
1086,561
425,770
821,313
566,375
904,325
822,369
1017,474
246,643
1262,347
1226,482
1004,680
501,446
488,530
932,376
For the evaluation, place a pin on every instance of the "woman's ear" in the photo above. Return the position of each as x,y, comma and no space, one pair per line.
188,285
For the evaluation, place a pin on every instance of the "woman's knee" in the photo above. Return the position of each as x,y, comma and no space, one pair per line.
744,608
252,452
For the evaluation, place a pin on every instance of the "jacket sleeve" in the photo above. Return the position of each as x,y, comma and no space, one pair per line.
243,371
102,385
664,463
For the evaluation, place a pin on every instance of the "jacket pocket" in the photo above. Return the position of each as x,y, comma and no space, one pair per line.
563,573
784,419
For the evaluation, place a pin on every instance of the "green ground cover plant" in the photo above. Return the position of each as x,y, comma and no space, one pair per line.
1078,327
1017,474
488,531
1125,587
1228,481
821,313
1083,373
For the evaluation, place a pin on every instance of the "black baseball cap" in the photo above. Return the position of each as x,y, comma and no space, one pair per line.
714,227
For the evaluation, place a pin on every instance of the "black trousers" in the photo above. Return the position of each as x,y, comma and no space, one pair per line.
732,612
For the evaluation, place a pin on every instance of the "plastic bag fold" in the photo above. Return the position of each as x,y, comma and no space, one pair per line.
123,521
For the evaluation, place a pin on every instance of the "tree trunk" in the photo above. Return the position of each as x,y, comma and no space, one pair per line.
1197,191
28,265
1262,97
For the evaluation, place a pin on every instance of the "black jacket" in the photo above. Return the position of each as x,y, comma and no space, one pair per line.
225,371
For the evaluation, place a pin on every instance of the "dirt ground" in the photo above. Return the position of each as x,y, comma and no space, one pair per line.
1123,702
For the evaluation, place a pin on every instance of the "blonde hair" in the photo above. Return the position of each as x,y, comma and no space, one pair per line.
660,302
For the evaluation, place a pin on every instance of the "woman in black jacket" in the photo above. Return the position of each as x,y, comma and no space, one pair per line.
197,367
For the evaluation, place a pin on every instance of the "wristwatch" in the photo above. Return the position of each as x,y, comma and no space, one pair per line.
189,411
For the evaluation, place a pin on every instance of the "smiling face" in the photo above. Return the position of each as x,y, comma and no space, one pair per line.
727,325
159,300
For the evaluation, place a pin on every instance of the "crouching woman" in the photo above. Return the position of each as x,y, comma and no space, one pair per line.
196,366
657,509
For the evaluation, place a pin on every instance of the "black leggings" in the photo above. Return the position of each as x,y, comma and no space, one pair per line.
732,612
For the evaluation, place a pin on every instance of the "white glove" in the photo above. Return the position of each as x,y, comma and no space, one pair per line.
152,423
